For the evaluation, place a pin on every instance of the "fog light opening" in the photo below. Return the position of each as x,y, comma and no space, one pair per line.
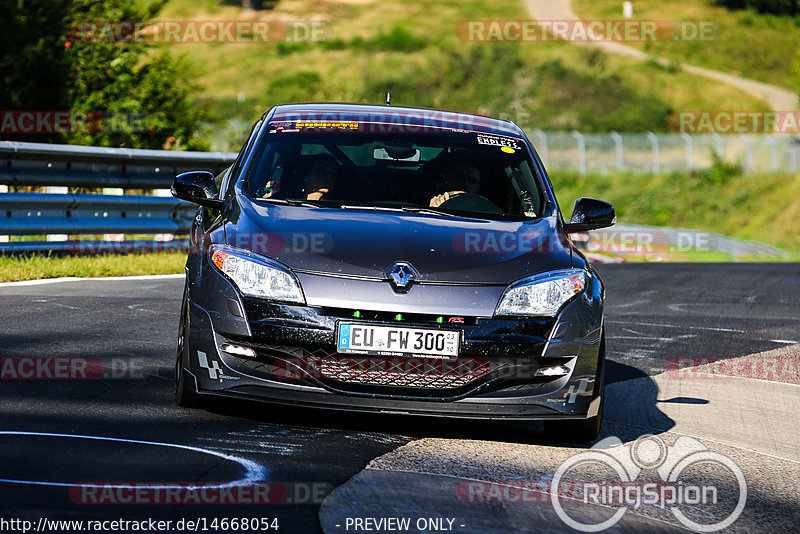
238,350
559,370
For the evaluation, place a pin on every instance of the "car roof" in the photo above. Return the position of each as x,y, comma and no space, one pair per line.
416,118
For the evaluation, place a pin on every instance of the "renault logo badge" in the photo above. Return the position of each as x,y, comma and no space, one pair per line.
402,274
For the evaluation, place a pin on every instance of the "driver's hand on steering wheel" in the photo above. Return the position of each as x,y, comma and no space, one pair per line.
438,200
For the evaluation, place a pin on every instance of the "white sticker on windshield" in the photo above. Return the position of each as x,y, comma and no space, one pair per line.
497,140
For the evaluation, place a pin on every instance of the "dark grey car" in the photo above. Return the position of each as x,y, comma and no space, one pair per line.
390,259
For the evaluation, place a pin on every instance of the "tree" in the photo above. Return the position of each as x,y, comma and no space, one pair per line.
33,64
775,7
71,56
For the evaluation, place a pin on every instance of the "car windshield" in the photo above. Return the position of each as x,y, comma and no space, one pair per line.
454,172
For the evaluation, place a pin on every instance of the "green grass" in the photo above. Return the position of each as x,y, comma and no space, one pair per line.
690,256
36,266
763,207
412,48
745,43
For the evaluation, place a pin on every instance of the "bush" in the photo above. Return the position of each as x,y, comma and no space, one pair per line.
300,86
775,7
720,171
398,39
133,93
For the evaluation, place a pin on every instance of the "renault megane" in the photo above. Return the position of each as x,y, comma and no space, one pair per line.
389,259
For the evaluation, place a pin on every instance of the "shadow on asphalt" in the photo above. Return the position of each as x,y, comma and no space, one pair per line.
417,427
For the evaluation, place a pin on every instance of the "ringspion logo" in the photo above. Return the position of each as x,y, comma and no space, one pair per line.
686,488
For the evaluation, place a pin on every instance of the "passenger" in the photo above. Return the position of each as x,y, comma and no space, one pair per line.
317,182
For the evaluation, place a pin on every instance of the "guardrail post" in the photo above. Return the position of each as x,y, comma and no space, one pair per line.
542,142
581,152
60,190
618,149
748,152
689,150
720,145
654,143
116,191
773,152
162,237
3,238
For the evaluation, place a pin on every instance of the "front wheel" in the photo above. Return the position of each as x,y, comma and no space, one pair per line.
186,394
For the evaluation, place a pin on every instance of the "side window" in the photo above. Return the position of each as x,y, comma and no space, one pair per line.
224,178
222,182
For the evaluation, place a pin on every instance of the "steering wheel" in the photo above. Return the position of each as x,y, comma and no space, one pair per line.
470,202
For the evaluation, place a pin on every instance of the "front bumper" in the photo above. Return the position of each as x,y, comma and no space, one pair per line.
497,374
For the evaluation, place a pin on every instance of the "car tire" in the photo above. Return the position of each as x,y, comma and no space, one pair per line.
584,430
186,394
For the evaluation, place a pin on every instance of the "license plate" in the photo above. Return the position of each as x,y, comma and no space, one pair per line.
381,340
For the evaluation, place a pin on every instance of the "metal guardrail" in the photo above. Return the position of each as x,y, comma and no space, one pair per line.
92,246
86,214
40,164
42,213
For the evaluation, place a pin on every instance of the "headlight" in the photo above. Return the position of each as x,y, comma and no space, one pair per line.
256,275
543,294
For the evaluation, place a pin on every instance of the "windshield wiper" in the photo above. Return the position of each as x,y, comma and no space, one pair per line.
293,202
425,211
403,209
373,208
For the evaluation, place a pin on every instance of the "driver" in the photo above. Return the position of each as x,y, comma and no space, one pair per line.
321,178
461,178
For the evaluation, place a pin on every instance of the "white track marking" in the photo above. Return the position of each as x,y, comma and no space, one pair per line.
679,326
704,438
634,303
138,308
102,278
254,472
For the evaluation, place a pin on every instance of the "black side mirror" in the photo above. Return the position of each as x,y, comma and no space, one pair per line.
591,214
198,187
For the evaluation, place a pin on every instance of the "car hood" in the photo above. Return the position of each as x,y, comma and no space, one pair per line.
367,243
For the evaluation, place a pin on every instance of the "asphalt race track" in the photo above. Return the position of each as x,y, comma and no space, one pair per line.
63,436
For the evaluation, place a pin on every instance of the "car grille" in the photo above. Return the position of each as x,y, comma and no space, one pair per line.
434,374
324,365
